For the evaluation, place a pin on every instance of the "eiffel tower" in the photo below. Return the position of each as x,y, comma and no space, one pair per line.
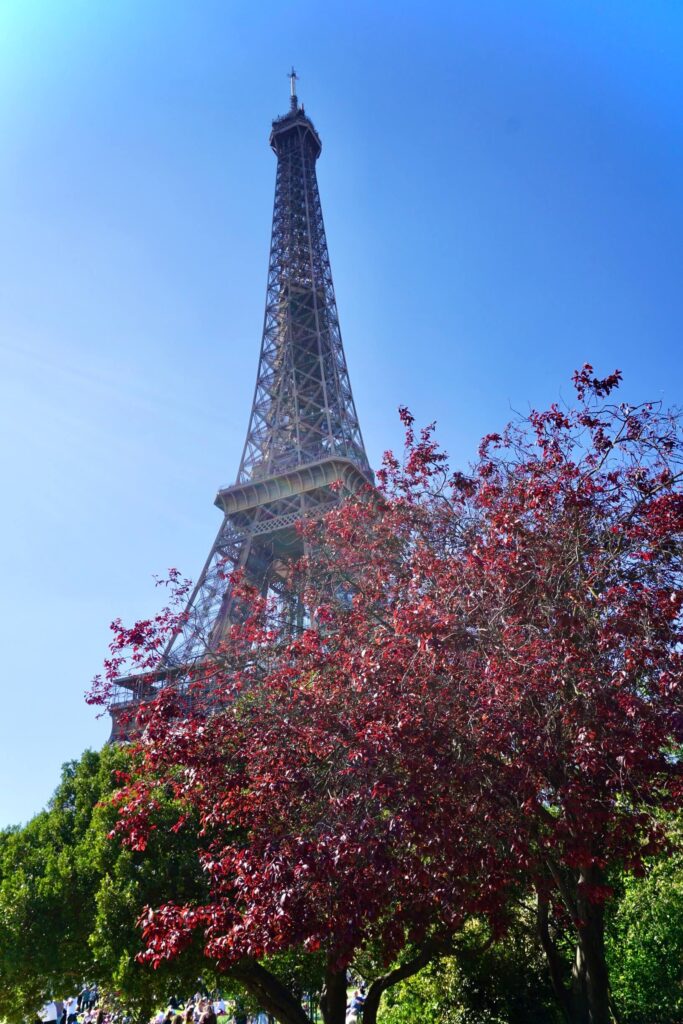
304,447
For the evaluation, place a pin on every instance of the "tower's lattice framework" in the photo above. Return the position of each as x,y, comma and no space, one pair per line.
303,433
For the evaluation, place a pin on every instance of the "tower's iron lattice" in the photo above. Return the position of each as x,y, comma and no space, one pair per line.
303,434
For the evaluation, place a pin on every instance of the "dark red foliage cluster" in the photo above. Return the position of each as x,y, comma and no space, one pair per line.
488,695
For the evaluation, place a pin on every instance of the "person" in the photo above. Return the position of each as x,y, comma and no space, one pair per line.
355,1012
208,1016
72,1010
49,1013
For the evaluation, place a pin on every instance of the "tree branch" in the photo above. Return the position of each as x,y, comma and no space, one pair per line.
274,997
428,952
563,889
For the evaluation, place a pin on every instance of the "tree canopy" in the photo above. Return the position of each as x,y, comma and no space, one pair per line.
487,696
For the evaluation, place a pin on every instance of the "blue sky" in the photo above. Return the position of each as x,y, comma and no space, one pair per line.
502,192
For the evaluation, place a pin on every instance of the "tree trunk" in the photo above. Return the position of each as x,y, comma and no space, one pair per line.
554,961
579,998
333,997
589,1000
591,944
372,1005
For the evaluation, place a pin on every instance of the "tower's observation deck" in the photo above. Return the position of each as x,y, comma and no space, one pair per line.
303,439
298,123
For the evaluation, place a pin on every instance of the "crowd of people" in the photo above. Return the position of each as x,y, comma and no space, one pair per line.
205,1010
201,1009
85,1008
81,1008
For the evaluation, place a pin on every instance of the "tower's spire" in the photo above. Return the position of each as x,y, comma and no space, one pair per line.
293,79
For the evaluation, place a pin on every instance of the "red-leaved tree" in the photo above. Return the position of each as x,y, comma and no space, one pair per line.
487,698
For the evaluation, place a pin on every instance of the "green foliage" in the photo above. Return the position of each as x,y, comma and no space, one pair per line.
500,983
70,897
431,997
645,943
47,880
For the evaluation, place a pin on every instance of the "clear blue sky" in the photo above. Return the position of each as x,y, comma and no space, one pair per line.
503,192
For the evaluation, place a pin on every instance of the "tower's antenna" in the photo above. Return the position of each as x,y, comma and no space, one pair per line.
293,79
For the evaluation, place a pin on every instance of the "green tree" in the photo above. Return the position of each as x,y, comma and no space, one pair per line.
70,897
46,895
645,942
